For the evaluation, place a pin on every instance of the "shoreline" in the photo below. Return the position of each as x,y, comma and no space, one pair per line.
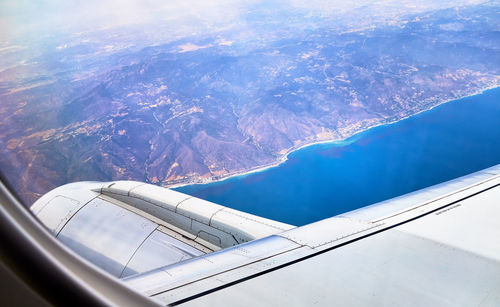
289,151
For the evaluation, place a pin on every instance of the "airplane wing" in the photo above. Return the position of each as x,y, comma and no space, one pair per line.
436,246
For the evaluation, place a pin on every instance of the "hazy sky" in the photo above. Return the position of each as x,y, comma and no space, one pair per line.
42,17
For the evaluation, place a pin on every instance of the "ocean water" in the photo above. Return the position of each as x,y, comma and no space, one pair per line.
324,180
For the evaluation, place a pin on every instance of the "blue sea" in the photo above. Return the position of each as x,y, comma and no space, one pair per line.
323,180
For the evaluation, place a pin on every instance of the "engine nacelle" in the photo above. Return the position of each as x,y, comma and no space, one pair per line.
128,227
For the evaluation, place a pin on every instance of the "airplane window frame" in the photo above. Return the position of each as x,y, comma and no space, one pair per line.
51,270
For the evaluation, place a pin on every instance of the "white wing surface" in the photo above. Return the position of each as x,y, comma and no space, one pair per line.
438,246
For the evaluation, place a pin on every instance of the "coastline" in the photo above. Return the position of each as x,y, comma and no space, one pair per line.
283,158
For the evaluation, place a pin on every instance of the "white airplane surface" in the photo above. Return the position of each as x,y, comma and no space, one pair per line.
439,246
